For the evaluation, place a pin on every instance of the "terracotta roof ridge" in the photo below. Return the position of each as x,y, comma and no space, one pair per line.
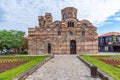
110,33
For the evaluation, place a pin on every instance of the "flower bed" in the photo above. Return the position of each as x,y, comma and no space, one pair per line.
7,63
113,60
111,67
13,66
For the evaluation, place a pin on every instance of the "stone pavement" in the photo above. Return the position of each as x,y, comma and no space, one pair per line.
62,67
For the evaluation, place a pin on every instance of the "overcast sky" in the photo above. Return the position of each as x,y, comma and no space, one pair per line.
21,14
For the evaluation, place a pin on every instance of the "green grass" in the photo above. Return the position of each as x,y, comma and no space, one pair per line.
10,74
110,70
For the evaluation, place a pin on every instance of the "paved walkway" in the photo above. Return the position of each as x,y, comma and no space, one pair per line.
62,67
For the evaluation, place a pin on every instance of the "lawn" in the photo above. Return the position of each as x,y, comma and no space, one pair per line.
14,72
113,71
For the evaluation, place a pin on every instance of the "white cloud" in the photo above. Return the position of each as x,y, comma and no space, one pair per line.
117,18
21,14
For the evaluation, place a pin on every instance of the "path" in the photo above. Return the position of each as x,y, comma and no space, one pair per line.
62,67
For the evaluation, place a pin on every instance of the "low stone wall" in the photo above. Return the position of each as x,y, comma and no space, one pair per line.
101,74
24,75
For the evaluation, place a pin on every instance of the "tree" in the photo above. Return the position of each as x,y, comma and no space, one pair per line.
11,39
18,39
5,40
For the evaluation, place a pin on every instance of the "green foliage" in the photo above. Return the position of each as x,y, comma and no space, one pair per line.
5,39
11,39
18,38
110,70
10,74
113,39
23,52
19,53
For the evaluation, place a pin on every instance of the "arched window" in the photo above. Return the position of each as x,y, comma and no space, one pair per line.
83,33
83,36
44,22
70,24
70,33
64,16
69,14
57,26
84,26
59,33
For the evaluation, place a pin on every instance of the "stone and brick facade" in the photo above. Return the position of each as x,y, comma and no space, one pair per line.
68,36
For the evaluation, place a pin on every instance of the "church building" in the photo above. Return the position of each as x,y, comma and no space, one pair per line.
67,36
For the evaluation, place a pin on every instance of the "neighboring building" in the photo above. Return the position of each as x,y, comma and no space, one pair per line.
68,36
109,42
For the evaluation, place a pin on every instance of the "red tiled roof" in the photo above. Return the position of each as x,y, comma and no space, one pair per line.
110,33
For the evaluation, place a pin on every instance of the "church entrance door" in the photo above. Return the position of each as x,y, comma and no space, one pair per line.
72,47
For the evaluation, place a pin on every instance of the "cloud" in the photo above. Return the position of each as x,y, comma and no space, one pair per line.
117,18
113,19
21,14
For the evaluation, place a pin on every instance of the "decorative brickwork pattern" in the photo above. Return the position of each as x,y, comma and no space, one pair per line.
56,36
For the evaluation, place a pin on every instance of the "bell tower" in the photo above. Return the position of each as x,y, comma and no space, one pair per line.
48,18
45,20
69,12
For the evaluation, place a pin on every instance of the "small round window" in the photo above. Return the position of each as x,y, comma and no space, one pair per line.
84,26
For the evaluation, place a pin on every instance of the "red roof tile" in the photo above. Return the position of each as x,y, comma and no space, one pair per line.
110,33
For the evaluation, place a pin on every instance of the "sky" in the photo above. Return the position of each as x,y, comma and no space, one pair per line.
23,14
